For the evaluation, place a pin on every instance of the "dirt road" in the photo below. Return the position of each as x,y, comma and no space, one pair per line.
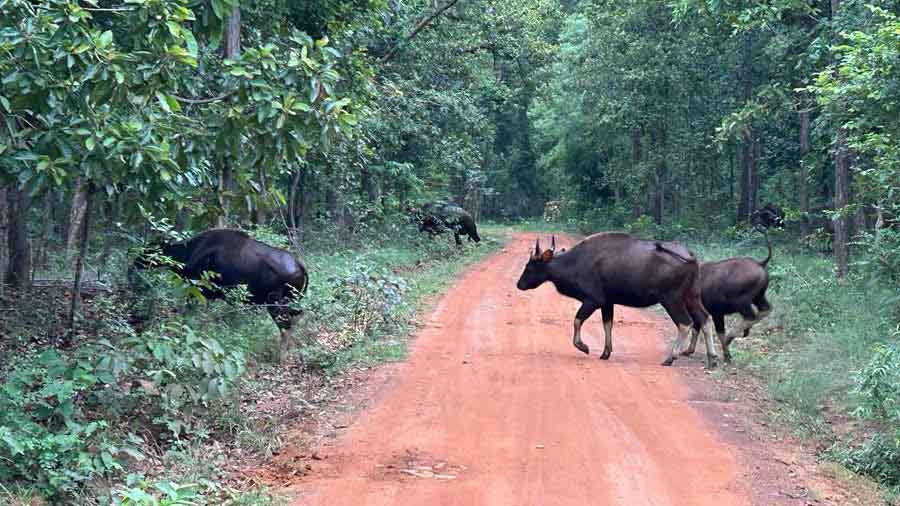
495,407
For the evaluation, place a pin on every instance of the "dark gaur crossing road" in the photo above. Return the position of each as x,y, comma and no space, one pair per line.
495,407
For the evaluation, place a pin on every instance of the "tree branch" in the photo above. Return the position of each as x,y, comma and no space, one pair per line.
480,47
197,101
419,27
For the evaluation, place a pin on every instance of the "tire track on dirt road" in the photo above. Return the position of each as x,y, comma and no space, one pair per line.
495,407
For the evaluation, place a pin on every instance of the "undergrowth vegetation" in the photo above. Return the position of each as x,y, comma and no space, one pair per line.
125,412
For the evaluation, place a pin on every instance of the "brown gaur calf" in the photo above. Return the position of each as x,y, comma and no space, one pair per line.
615,268
734,285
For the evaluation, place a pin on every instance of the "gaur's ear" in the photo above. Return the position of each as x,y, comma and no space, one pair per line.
547,256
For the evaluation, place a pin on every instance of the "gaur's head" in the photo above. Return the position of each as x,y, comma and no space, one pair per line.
535,273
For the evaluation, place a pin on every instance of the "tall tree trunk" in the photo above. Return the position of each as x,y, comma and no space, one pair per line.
4,230
731,172
47,232
226,174
842,159
225,179
657,198
748,137
292,198
636,162
111,215
370,186
233,34
803,176
263,195
748,175
76,214
841,200
84,234
754,181
17,273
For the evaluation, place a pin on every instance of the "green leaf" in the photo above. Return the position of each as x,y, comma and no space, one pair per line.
163,102
90,143
5,103
313,90
191,43
106,38
174,28
220,9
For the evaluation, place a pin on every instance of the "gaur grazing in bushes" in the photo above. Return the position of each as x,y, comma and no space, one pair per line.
734,285
434,218
272,275
768,216
615,268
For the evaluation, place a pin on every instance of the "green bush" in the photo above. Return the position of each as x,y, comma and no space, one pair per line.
50,432
179,370
878,458
877,387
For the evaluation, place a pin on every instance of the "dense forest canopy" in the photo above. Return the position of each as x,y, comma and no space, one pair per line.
694,113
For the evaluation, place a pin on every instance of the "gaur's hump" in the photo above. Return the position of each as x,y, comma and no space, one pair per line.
602,238
224,232
676,248
608,236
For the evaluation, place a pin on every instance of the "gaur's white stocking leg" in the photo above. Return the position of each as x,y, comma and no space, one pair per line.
693,346
607,312
607,345
677,343
710,347
723,340
576,338
584,312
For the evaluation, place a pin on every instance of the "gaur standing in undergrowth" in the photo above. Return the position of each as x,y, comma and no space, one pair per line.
272,275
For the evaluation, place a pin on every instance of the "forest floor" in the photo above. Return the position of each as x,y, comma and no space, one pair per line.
494,406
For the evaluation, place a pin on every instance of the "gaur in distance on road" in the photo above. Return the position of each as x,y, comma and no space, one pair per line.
615,268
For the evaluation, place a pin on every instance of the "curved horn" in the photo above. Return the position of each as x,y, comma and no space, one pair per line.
537,247
553,243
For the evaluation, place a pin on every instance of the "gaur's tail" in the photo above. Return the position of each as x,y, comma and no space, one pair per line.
675,254
475,233
769,245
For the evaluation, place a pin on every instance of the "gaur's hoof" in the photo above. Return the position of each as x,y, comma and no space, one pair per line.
605,355
582,348
687,353
711,363
667,362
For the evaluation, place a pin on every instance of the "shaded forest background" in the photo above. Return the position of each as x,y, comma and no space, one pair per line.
316,125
